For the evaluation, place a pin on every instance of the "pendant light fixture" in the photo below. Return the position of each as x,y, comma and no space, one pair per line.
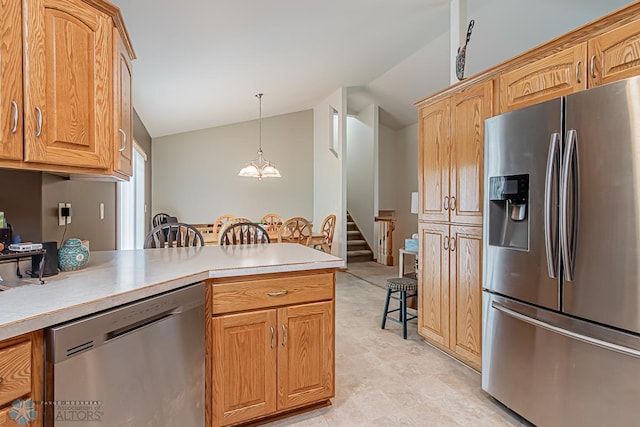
261,167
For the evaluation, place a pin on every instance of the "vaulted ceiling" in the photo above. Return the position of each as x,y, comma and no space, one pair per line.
200,62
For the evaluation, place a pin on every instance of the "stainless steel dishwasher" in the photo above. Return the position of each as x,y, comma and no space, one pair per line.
141,364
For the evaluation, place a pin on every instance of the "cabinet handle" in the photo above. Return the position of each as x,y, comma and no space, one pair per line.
124,140
453,203
446,243
14,106
453,244
592,66
446,203
39,118
277,293
284,335
578,71
273,337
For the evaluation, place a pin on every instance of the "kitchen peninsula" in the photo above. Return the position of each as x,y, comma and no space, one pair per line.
291,283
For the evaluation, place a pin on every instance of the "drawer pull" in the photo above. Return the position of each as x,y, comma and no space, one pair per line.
277,293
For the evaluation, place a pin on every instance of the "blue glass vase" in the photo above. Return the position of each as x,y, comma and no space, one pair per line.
73,255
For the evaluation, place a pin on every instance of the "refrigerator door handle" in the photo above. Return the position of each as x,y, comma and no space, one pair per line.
565,332
568,231
550,236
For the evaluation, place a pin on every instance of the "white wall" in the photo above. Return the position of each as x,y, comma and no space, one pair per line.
398,179
195,174
329,176
362,171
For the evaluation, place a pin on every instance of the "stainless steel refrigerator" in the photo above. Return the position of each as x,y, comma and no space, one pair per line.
561,274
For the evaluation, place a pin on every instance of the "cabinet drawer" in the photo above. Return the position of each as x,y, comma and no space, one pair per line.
256,293
15,372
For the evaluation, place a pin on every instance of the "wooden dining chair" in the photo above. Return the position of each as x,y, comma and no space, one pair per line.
244,233
173,234
159,218
220,224
272,222
326,230
295,230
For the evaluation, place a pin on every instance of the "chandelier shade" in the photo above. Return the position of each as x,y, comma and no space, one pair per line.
260,167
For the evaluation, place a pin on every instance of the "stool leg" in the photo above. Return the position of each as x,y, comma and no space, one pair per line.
386,309
403,311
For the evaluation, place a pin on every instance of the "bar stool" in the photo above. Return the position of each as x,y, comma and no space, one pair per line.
408,288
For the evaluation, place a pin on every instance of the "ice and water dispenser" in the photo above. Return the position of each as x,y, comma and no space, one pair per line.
509,211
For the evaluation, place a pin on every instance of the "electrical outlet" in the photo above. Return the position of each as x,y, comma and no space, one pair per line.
62,220
60,217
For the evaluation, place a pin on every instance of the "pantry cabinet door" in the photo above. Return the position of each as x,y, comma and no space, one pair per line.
433,282
465,247
68,91
433,162
469,109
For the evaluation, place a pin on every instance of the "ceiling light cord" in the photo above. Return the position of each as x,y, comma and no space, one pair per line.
259,96
261,167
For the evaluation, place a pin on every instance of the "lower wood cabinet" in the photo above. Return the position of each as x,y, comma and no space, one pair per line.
21,370
450,289
266,361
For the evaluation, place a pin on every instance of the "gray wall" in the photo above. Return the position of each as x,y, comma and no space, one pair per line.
21,202
196,173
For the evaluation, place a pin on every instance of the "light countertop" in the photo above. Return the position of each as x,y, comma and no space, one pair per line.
112,278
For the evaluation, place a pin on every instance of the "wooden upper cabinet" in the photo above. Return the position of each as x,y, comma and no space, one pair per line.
615,55
434,161
560,74
68,84
306,357
433,296
465,277
469,109
11,80
123,114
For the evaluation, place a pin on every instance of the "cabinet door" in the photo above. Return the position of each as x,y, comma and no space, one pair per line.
466,293
306,355
470,108
243,357
615,55
67,87
433,282
433,168
556,75
123,114
11,80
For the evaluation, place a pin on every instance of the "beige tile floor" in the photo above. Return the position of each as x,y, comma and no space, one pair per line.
383,380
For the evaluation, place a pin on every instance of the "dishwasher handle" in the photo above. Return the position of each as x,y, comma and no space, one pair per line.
126,330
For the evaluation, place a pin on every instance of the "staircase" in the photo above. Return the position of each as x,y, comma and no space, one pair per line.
357,248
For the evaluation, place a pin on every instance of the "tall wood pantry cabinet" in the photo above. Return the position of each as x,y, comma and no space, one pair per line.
451,160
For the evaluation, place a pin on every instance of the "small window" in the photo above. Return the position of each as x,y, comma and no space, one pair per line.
333,130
